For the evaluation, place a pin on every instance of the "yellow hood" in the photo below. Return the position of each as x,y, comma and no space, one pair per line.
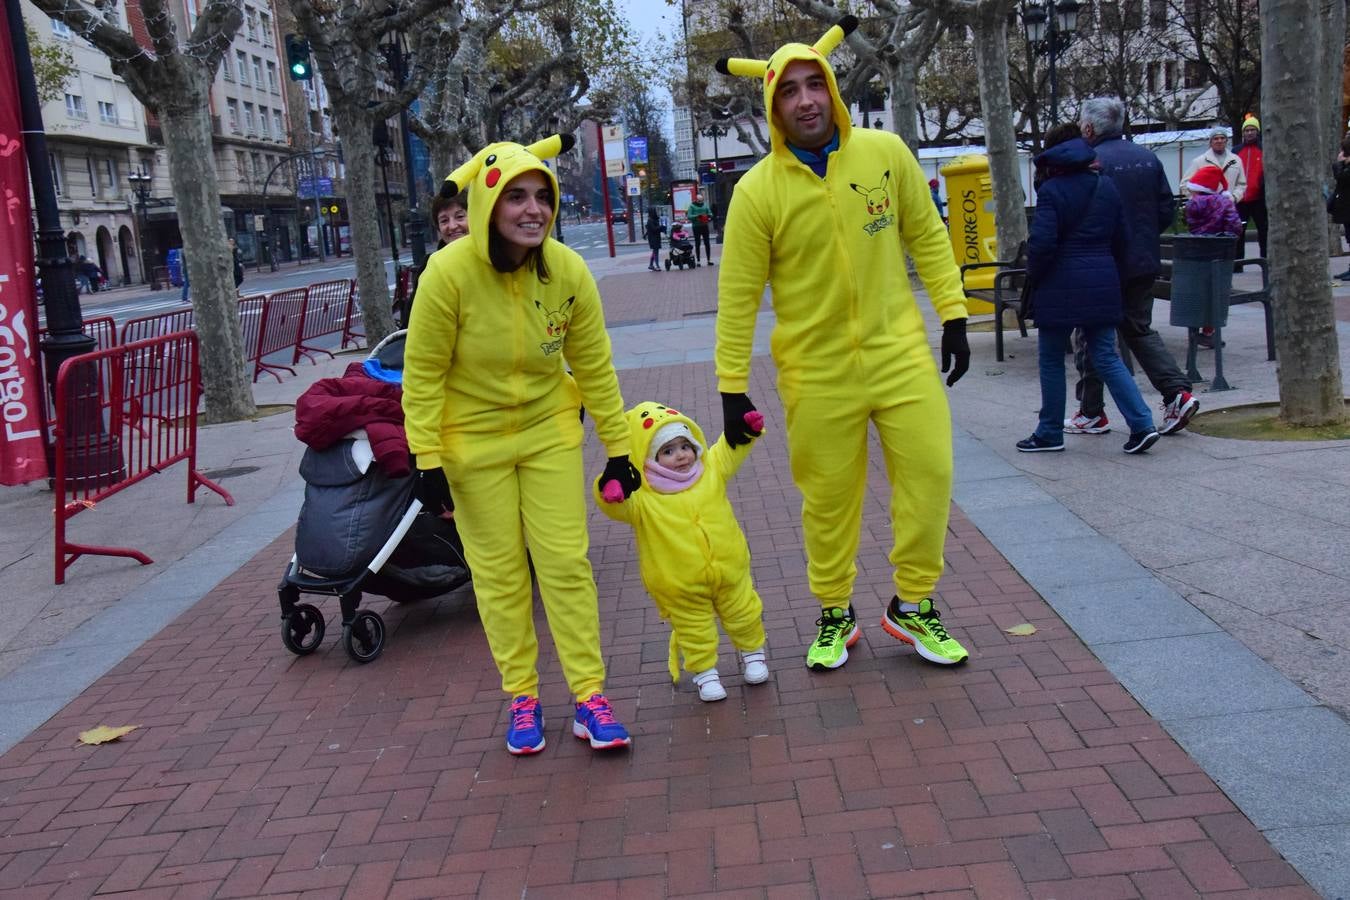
769,70
491,169
645,419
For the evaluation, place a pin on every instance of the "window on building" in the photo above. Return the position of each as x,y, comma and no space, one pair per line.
1151,77
277,125
1157,13
264,125
107,112
75,107
241,164
109,170
1169,75
265,28
61,30
250,127
241,65
257,72
232,113
1193,75
1133,11
272,77
251,23
259,173
93,179
55,161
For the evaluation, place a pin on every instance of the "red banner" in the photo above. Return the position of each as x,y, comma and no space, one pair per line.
22,455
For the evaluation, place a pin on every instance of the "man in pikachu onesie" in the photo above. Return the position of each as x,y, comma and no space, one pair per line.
491,412
827,218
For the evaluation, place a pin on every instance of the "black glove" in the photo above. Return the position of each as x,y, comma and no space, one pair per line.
954,344
622,470
433,490
734,426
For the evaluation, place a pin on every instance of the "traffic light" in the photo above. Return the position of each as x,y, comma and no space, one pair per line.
297,58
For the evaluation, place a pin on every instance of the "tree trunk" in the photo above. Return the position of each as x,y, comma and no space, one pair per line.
363,212
1000,138
187,138
1305,322
905,101
1333,59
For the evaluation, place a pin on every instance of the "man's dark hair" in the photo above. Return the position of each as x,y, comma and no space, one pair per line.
1106,115
1064,131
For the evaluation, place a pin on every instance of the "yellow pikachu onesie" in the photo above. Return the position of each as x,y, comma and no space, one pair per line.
692,553
849,341
486,396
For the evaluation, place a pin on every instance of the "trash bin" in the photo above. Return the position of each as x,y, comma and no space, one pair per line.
1202,280
970,222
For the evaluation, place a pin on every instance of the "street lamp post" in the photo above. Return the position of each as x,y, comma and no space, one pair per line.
1050,25
140,184
416,224
716,130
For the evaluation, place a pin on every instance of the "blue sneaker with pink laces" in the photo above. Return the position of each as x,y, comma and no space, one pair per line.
595,722
526,734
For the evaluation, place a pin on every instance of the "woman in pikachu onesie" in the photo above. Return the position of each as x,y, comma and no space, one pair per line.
492,413
692,553
827,218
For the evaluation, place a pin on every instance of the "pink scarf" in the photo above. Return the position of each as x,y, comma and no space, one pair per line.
668,481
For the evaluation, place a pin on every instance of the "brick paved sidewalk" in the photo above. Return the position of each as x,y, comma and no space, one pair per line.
1028,772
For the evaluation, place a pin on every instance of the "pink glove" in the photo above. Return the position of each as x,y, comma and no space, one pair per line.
612,492
755,419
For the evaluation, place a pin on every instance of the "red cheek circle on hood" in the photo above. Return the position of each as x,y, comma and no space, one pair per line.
673,412
768,77
647,423
493,176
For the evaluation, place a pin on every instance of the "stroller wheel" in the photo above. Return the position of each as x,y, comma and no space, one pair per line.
667,265
302,630
364,637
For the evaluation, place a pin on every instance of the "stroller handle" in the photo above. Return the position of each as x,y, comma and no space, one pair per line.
394,539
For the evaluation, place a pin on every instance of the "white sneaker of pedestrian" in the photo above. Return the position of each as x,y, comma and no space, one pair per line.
709,686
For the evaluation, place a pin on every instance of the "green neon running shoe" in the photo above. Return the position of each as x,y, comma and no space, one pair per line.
924,630
838,631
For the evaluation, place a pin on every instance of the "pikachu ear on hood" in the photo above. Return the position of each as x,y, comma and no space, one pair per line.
758,68
549,147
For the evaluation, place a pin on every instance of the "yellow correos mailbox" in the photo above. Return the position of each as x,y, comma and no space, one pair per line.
970,217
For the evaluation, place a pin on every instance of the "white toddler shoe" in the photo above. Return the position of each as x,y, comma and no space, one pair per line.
753,666
709,686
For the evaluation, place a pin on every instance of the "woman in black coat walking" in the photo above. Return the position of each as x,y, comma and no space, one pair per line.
652,230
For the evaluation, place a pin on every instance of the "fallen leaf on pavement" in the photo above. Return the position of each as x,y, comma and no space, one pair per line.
1021,630
105,733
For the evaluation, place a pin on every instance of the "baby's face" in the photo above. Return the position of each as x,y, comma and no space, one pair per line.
678,455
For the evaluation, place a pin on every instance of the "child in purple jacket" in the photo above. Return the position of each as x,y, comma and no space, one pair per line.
1210,210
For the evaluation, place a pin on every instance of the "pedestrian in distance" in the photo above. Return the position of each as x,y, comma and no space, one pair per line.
1252,206
1218,155
653,231
849,342
1339,204
937,198
692,554
1076,250
1144,192
451,217
700,218
182,262
493,419
237,260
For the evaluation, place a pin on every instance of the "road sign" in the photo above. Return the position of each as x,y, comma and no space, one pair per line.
637,149
633,186
259,223
610,133
614,165
307,185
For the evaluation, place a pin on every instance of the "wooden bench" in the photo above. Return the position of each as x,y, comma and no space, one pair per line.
1162,289
1006,293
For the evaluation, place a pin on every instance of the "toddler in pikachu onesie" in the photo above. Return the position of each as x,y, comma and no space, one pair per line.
692,553
827,218
491,411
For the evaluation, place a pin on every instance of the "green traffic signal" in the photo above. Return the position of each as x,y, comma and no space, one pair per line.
297,58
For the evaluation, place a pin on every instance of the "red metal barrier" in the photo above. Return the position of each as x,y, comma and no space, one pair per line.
283,321
329,308
350,332
250,325
100,453
158,325
103,329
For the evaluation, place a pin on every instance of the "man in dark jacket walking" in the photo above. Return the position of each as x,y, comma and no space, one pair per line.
1149,207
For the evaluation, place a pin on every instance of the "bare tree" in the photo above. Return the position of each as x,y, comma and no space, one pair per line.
949,96
988,19
345,37
1219,44
1292,48
173,80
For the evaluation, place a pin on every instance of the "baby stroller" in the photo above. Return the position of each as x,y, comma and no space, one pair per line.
681,250
361,530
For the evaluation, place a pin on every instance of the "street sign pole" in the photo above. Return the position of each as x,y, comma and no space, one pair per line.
604,187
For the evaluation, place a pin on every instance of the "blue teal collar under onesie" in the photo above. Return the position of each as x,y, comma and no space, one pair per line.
817,161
